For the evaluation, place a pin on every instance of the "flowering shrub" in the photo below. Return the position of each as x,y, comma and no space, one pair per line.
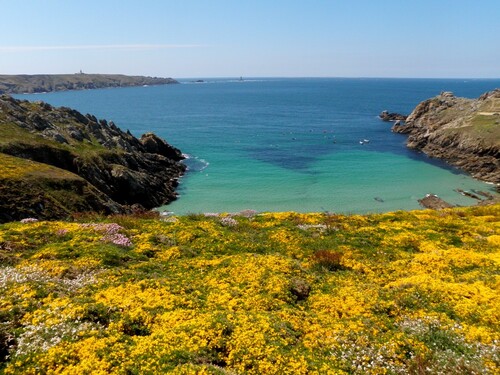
111,235
228,221
106,228
117,239
411,293
42,337
32,274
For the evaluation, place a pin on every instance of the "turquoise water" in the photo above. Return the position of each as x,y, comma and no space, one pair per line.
288,144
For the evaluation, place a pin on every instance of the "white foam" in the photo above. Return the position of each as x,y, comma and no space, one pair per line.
194,163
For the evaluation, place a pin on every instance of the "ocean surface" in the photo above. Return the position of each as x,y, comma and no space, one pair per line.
282,144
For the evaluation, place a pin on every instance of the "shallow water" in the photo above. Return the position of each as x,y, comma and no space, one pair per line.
288,144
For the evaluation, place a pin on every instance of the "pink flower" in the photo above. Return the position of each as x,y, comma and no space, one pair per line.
111,235
29,220
117,239
61,232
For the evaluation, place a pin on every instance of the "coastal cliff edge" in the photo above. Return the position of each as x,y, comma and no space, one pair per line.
56,161
463,132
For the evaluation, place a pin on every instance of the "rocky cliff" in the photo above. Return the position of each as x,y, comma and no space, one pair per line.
18,84
464,132
55,161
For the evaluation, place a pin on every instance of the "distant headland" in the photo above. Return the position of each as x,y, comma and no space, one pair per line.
38,83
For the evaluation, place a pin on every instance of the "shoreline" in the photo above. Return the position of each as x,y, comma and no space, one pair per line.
427,201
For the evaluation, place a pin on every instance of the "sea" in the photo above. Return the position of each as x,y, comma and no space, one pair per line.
288,144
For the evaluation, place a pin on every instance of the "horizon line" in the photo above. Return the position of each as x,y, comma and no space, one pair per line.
333,77
256,76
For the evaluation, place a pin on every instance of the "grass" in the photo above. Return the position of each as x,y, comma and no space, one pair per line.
11,133
487,126
470,125
12,167
36,189
399,293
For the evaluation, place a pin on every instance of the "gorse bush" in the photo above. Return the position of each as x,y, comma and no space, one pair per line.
280,293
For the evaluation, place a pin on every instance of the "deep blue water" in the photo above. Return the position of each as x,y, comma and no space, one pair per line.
288,144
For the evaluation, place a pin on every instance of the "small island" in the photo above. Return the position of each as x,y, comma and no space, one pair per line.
38,83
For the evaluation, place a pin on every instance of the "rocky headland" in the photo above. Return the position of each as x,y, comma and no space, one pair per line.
463,132
57,161
20,84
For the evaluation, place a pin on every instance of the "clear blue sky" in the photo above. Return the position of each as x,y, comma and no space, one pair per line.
226,38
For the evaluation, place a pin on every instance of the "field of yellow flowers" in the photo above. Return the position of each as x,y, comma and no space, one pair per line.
285,293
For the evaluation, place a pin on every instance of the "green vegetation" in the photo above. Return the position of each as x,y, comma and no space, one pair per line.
15,168
285,293
38,189
487,125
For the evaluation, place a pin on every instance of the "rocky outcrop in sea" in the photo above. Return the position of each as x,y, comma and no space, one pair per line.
116,171
392,116
464,132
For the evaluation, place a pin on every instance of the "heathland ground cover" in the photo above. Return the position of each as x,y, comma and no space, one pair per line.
394,293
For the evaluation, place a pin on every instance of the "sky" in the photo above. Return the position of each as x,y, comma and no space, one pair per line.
259,38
